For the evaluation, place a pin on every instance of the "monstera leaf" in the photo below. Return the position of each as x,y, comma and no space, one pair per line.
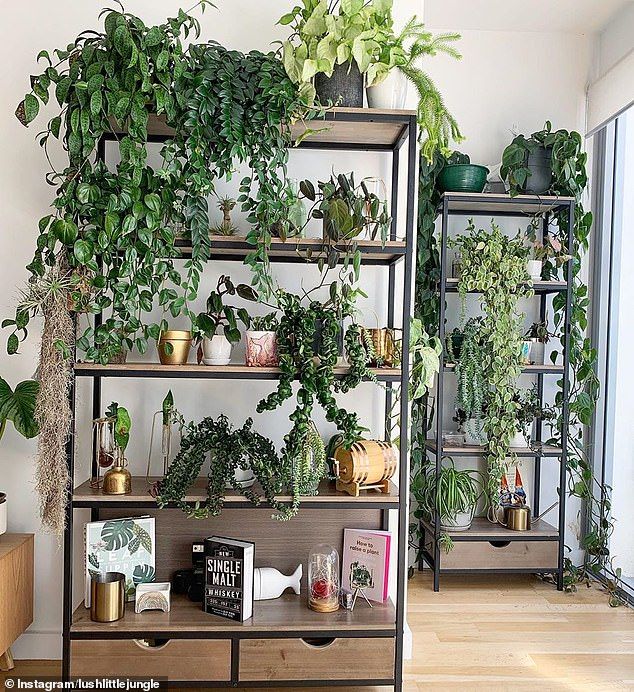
143,574
117,534
19,406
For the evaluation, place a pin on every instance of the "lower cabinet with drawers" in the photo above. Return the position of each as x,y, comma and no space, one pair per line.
232,661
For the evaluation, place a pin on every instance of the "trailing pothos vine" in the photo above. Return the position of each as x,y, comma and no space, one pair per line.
495,266
570,179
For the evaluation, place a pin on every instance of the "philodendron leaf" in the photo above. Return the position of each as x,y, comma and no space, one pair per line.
19,406
122,428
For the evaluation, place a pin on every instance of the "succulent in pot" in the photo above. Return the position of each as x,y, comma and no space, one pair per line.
225,227
453,495
261,341
217,327
18,407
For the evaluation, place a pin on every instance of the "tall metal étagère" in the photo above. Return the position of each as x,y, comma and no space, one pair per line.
363,647
489,547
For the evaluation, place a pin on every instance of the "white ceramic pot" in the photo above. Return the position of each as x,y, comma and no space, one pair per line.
461,522
519,440
217,350
245,478
3,513
538,351
261,350
534,269
391,93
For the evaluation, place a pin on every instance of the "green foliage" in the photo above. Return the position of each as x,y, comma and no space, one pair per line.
347,210
515,157
122,425
218,314
225,227
113,227
473,386
530,409
329,34
495,266
452,492
18,406
570,179
234,108
230,449
311,466
264,323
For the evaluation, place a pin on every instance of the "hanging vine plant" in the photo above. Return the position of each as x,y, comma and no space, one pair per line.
495,265
568,162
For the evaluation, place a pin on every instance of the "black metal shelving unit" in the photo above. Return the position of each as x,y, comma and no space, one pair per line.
522,206
345,129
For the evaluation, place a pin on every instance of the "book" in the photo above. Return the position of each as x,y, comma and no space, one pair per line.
366,562
120,545
229,578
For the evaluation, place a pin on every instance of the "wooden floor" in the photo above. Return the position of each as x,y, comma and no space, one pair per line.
511,633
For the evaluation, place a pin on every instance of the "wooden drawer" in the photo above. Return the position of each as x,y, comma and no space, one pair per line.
177,659
317,659
502,555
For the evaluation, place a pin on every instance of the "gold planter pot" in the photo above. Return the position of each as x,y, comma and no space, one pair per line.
384,343
107,597
181,342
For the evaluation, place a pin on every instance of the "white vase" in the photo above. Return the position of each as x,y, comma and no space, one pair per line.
270,583
391,93
3,513
245,478
534,269
460,522
518,439
217,350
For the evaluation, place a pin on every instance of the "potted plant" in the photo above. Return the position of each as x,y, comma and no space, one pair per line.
349,211
460,175
395,63
534,345
453,494
261,341
294,217
216,345
18,407
225,227
547,255
529,409
330,48
527,161
174,346
453,344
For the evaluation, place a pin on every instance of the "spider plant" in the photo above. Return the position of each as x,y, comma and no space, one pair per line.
453,495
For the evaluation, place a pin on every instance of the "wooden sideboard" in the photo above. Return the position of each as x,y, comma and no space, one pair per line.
16,591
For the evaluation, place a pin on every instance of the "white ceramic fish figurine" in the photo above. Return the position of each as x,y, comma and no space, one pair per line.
271,583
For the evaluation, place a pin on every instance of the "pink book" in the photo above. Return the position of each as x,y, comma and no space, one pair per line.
366,562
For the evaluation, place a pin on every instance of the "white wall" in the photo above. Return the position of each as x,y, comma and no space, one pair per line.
504,80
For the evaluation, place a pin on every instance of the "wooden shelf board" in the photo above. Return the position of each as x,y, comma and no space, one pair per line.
483,530
233,371
547,369
85,496
537,286
480,450
359,128
297,250
488,203
287,614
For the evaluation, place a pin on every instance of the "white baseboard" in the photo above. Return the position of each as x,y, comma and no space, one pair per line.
408,643
44,645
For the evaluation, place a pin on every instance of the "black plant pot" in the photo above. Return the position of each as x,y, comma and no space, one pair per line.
344,88
540,166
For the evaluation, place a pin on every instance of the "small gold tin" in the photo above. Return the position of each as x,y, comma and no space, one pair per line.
107,596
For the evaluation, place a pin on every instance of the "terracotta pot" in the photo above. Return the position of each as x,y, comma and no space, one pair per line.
262,349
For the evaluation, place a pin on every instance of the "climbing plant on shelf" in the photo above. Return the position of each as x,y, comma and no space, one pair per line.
568,162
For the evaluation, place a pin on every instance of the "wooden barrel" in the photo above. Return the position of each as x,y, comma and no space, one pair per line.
367,462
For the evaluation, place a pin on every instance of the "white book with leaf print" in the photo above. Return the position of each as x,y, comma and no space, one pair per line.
120,545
